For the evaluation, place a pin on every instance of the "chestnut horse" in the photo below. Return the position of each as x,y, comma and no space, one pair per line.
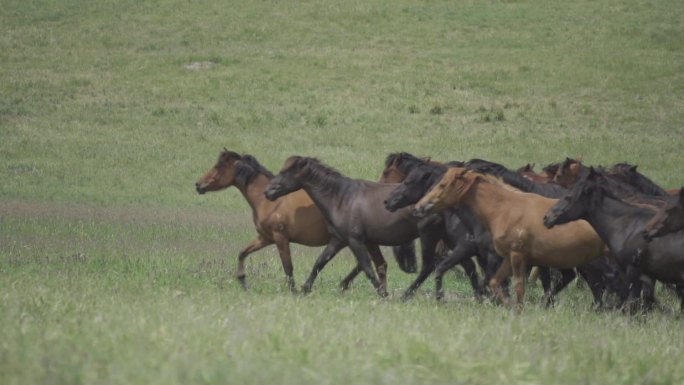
514,219
668,219
356,217
293,218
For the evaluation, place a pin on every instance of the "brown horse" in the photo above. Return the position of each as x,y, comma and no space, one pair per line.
514,220
668,219
292,218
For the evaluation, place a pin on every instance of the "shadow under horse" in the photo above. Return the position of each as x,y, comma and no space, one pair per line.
356,217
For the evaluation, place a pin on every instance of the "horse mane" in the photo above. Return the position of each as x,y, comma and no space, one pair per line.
248,168
626,192
404,161
512,178
637,179
328,178
493,179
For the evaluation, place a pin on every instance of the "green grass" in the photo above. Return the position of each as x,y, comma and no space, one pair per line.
113,270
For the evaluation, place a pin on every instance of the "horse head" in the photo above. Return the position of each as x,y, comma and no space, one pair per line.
449,191
221,175
288,179
575,204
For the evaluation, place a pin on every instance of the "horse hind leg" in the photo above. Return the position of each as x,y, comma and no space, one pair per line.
253,246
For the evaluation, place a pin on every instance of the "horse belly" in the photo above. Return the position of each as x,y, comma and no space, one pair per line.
565,253
390,235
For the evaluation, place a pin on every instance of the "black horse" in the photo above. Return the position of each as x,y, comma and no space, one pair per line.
668,219
356,218
620,224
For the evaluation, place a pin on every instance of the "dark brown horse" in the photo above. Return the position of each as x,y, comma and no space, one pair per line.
458,244
514,222
356,217
620,223
293,218
668,219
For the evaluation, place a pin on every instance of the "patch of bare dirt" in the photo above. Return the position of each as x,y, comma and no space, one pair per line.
188,216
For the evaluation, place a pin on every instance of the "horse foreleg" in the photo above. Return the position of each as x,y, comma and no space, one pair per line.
253,246
519,277
362,258
344,285
427,245
501,274
283,245
460,254
567,275
380,264
332,248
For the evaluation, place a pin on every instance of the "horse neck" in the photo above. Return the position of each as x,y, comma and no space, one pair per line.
617,222
485,200
326,191
253,191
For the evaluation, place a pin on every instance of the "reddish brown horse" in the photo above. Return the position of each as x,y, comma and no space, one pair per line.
292,218
514,220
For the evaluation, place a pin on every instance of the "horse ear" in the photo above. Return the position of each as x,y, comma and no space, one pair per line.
633,168
592,172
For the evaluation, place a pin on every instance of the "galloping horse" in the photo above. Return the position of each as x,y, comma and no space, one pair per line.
514,220
620,224
293,218
668,219
356,217
601,274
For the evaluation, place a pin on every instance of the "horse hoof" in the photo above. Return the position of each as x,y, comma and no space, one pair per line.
306,289
407,296
243,282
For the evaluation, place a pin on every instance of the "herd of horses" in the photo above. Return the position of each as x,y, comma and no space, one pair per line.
614,227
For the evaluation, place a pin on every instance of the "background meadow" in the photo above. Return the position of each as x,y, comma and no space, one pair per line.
113,270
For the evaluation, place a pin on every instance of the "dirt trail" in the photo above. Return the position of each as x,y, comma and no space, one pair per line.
123,214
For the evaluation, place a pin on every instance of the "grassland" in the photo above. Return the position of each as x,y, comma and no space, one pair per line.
113,271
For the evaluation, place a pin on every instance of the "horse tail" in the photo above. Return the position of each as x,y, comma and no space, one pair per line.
406,257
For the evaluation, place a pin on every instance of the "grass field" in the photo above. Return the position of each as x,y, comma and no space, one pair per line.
114,271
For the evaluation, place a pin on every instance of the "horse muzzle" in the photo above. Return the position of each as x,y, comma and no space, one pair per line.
548,222
423,210
200,189
272,194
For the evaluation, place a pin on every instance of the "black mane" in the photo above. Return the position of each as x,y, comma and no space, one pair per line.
512,178
627,173
248,168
